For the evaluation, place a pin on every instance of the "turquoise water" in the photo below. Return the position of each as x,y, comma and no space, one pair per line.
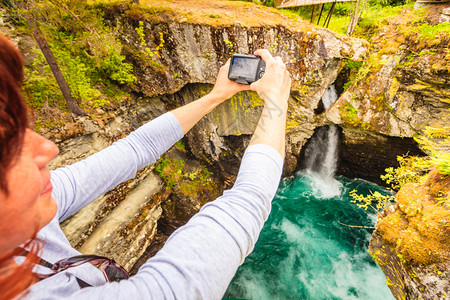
304,253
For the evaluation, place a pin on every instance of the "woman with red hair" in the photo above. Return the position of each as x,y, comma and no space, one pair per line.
199,259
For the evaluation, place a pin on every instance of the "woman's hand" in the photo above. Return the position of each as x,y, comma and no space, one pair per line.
189,114
274,87
225,88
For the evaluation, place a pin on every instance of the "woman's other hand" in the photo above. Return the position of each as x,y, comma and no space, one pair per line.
225,88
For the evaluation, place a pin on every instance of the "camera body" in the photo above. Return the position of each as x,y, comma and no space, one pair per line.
245,69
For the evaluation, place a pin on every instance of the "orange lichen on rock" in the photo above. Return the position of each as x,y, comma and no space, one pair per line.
420,225
439,185
393,226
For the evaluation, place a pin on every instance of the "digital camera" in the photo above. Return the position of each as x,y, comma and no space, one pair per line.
245,69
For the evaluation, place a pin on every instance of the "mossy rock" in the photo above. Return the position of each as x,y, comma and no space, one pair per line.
420,226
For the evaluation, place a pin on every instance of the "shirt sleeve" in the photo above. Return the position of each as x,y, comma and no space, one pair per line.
199,260
75,186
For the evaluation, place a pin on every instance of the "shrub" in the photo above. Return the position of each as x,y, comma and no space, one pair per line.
39,84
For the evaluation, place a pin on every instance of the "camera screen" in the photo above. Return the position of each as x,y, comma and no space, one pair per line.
244,67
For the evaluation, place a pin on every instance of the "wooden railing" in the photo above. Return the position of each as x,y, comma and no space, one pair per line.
293,3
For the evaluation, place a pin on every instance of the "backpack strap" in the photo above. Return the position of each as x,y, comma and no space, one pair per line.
82,283
49,265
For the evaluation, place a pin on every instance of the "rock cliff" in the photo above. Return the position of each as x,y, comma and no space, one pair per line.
176,55
171,51
402,87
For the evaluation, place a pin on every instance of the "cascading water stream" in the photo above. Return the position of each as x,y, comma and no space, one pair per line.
321,152
328,168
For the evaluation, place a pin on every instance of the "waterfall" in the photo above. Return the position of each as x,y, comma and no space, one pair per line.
321,152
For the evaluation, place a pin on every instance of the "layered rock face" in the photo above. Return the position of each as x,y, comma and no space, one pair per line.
122,222
401,88
168,54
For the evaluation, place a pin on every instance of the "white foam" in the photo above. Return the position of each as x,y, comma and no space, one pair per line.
323,187
329,96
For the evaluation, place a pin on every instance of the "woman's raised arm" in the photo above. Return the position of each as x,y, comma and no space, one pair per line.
77,185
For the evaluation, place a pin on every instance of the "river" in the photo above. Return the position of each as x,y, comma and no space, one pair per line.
304,253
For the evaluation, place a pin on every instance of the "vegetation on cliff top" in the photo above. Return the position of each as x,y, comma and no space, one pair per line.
214,13
373,14
419,229
92,58
411,43
88,53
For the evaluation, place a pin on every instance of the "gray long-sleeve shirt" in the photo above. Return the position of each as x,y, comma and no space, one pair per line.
199,259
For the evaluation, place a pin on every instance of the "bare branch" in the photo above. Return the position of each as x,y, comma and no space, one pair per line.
356,226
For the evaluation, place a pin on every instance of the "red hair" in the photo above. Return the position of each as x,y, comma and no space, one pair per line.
22,276
13,123
13,110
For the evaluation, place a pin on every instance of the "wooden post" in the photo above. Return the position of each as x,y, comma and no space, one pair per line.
331,13
326,19
312,13
352,19
320,15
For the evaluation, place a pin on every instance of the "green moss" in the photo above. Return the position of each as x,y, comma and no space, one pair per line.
402,259
292,123
349,114
430,32
352,67
170,170
40,86
180,146
214,16
147,60
273,48
229,45
195,184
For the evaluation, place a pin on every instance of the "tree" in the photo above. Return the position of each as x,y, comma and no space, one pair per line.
72,104
357,12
